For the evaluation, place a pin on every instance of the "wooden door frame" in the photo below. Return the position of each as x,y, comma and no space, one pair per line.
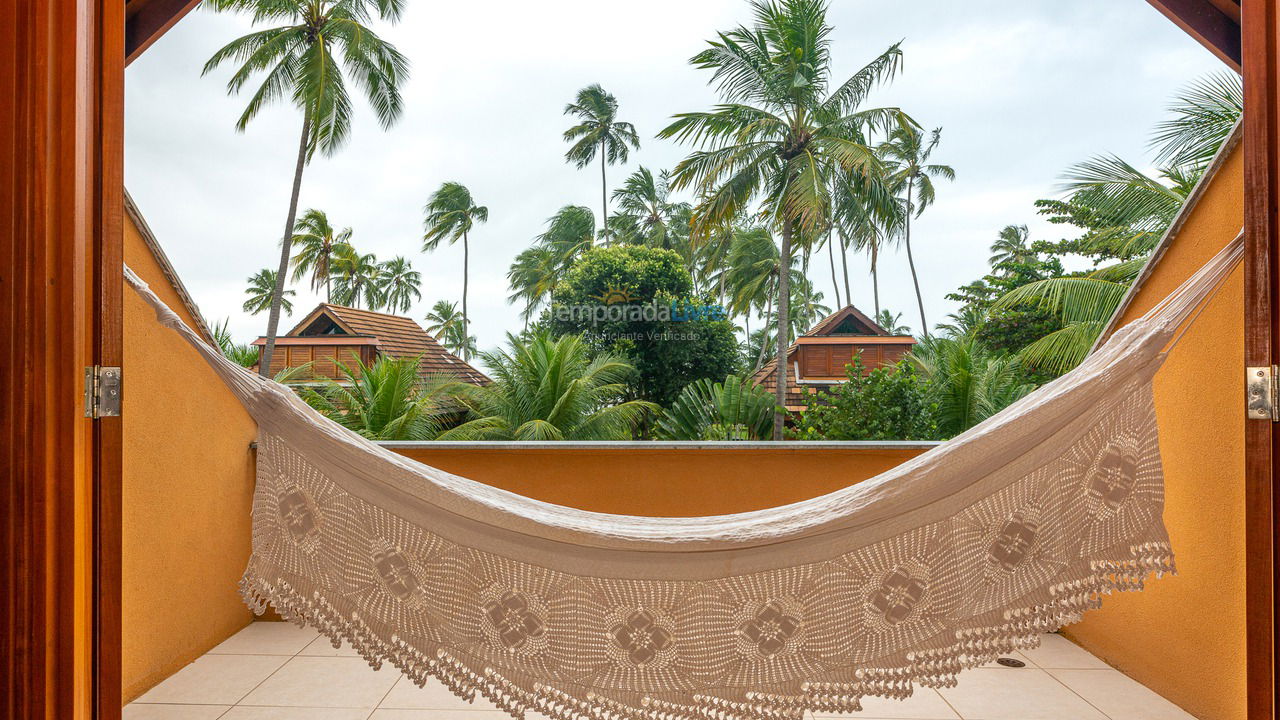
61,234
1261,65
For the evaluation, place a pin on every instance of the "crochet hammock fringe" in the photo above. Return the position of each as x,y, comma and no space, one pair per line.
1049,610
964,553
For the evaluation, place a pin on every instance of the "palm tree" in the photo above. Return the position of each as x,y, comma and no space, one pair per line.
550,389
445,323
781,133
1204,114
908,153
398,284
452,214
303,60
644,203
388,400
736,409
599,133
969,383
538,269
261,292
892,322
1011,246
317,243
242,355
356,279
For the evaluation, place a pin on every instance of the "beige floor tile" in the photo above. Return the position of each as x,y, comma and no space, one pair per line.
924,704
247,712
324,682
1015,655
1058,653
1120,696
420,714
139,711
323,647
267,638
214,680
1027,694
432,696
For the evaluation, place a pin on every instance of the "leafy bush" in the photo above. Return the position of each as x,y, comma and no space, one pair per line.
888,403
736,409
667,352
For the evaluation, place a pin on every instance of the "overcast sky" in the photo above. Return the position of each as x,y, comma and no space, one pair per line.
1021,88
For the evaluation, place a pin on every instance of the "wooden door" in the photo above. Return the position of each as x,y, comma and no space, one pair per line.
61,206
1261,63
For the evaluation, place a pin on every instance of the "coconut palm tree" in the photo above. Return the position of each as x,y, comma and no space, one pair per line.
781,132
548,388
261,291
451,214
388,400
303,59
538,269
1011,246
355,279
242,355
398,284
317,242
908,151
892,322
644,201
599,133
1204,114
445,323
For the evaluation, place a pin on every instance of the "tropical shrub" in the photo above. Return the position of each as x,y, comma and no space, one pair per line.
549,388
243,355
888,403
967,381
736,409
387,400
633,285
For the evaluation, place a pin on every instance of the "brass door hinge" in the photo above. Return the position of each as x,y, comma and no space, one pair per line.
1260,393
101,392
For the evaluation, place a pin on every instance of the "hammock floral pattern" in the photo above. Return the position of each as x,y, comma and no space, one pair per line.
967,552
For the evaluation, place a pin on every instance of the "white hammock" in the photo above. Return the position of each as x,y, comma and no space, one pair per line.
964,553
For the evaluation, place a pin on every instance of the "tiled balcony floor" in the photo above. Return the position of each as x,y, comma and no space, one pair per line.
275,671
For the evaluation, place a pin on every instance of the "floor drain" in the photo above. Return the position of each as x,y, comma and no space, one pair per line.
1010,662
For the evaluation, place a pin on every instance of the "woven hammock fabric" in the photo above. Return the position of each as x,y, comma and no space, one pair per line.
962,554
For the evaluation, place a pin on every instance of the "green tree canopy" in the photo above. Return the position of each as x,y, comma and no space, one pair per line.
692,340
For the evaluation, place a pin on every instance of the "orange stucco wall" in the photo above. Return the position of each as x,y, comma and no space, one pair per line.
1184,636
188,482
657,481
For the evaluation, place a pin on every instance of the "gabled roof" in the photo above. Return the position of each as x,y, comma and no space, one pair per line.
847,317
396,336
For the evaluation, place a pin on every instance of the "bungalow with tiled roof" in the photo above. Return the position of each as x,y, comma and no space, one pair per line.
816,360
333,333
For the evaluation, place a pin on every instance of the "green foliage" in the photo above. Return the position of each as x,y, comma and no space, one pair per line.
356,278
667,353
398,285
445,323
316,243
550,389
388,400
262,286
1008,326
538,269
303,61
968,382
242,355
888,403
736,409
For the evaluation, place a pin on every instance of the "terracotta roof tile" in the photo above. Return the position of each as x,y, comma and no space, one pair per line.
401,337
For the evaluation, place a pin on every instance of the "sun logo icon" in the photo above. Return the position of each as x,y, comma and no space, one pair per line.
614,295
